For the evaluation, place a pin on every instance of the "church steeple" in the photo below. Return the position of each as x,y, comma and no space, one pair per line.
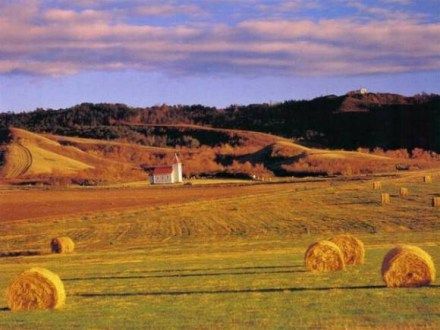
177,169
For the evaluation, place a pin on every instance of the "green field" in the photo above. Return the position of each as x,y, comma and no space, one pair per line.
236,284
233,262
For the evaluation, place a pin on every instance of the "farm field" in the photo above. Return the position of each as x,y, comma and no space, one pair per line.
234,284
232,257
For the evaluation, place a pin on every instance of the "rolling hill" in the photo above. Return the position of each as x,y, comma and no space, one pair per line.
205,151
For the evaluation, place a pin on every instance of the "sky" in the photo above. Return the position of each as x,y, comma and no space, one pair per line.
58,53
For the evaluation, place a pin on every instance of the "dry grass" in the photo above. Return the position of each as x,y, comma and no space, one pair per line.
408,266
324,256
37,288
97,218
18,161
351,247
48,162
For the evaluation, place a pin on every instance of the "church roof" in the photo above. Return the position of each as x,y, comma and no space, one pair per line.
161,170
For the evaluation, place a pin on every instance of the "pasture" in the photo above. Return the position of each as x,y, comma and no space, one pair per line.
233,257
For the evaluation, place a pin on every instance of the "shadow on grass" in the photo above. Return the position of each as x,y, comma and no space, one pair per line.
261,290
175,270
354,203
181,275
27,253
4,309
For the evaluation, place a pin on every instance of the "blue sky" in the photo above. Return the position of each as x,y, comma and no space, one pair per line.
57,53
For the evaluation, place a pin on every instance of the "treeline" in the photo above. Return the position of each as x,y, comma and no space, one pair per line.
156,136
350,121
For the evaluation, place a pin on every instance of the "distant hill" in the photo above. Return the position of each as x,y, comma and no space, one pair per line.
349,121
55,159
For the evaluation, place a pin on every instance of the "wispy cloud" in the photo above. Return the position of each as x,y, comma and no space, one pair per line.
61,40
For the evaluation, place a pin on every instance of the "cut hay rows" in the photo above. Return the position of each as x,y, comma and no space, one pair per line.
407,266
352,248
37,288
427,179
436,201
404,191
324,256
19,161
385,198
377,185
62,245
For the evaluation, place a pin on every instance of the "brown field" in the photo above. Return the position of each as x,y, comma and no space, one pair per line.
20,204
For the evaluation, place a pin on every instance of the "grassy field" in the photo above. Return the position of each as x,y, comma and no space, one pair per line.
231,261
235,284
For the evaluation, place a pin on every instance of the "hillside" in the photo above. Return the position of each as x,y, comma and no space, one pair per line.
205,151
29,157
350,121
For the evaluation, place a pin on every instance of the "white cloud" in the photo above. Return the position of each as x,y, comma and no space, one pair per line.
55,41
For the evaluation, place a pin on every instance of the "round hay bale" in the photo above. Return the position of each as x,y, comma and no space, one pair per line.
427,179
324,256
407,266
385,198
62,245
435,202
377,185
352,248
36,288
404,191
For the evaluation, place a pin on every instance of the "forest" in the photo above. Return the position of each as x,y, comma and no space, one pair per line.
350,121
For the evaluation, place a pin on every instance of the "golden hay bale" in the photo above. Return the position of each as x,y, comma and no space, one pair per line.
407,266
436,201
377,185
352,248
36,288
62,245
385,198
427,179
404,191
324,256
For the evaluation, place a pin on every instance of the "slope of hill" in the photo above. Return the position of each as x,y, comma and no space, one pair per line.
30,156
205,151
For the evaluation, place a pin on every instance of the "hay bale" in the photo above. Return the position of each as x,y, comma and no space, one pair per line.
62,245
427,179
407,266
324,256
36,288
404,192
352,248
436,202
377,185
385,198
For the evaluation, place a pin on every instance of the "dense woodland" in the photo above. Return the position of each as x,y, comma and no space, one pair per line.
387,121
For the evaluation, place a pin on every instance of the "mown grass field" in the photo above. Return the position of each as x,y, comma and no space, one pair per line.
232,261
234,284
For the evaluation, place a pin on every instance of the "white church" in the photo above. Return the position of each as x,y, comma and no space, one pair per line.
167,174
